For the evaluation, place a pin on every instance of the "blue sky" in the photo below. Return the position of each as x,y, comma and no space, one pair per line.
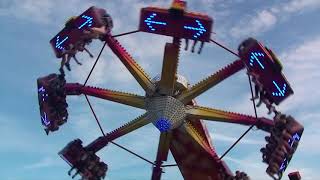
289,27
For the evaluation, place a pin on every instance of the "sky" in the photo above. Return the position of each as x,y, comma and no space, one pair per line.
288,27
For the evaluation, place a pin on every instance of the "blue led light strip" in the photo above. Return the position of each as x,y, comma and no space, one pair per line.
42,93
254,56
281,92
149,21
294,138
88,21
200,29
59,43
41,89
44,119
283,164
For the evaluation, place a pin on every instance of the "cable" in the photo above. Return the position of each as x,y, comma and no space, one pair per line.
97,120
253,102
93,112
123,34
132,153
95,116
229,50
95,63
224,47
255,112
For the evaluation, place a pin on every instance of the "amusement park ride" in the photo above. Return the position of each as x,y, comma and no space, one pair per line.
169,100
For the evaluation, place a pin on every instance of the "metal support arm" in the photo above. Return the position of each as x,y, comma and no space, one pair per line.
210,81
197,112
162,154
169,67
133,67
191,130
123,130
115,96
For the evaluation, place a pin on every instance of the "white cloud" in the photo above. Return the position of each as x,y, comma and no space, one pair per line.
299,5
311,134
224,138
148,53
25,140
245,106
301,69
44,11
268,17
47,11
43,163
253,25
305,53
253,166
107,71
28,9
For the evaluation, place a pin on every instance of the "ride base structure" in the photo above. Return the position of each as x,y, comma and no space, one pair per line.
169,100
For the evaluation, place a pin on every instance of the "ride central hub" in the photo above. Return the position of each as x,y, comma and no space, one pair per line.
165,112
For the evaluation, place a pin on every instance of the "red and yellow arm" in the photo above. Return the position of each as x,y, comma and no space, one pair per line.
137,72
169,67
211,81
133,125
197,112
115,96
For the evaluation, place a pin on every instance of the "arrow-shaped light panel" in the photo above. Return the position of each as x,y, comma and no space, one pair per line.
150,20
198,30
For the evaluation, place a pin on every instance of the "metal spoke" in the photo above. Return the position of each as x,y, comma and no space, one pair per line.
120,146
115,96
133,67
205,113
162,154
169,67
129,127
197,137
211,81
167,84
135,124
